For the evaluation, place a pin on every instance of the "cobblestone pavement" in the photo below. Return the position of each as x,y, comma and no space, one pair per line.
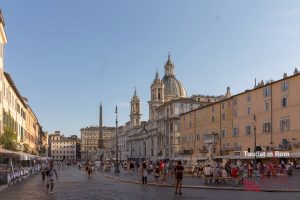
74,184
283,182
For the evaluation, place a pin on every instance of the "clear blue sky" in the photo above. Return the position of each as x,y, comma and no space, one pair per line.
67,56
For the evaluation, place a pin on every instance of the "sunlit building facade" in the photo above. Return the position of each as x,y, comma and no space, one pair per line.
265,118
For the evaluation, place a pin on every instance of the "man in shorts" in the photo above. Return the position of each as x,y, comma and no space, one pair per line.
50,171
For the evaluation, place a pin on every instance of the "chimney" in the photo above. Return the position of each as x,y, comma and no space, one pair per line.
228,93
285,75
296,71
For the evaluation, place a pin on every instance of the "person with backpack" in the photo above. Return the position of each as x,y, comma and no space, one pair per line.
50,171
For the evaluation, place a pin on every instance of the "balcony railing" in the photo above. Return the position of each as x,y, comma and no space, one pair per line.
211,138
203,150
235,148
190,151
296,145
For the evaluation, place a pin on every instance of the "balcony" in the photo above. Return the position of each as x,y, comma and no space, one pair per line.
211,138
296,145
203,150
229,148
190,151
281,147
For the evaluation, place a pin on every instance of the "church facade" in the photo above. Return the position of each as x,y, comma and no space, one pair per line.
159,137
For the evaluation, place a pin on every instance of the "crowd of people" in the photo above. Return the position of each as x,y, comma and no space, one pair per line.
162,170
239,169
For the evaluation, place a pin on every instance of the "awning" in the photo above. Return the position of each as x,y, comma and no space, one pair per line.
5,151
26,156
45,158
217,157
200,158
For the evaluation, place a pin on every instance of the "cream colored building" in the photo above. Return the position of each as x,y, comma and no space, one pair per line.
90,142
14,110
159,137
265,117
62,147
3,41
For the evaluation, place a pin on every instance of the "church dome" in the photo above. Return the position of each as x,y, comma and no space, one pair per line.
172,86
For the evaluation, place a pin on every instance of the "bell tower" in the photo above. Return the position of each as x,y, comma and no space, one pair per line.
135,113
157,95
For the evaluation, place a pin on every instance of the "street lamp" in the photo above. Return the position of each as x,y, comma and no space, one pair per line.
117,170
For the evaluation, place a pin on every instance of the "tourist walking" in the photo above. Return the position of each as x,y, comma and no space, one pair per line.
90,170
125,167
43,170
261,170
250,170
228,167
50,174
179,176
144,173
156,174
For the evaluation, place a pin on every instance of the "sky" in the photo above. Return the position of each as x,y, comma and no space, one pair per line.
67,56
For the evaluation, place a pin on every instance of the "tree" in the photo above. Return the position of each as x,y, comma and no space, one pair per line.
42,150
26,148
9,139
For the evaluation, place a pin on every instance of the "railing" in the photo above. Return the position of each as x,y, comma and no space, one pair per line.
235,148
190,151
296,145
203,151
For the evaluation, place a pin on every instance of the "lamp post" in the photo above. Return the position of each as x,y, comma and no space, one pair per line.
117,170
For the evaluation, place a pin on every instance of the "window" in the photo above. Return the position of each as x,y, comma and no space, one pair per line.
267,106
284,102
213,109
235,101
223,133
248,130
235,132
284,125
228,104
249,110
267,91
235,113
223,116
249,97
267,127
222,105
284,86
213,119
198,137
